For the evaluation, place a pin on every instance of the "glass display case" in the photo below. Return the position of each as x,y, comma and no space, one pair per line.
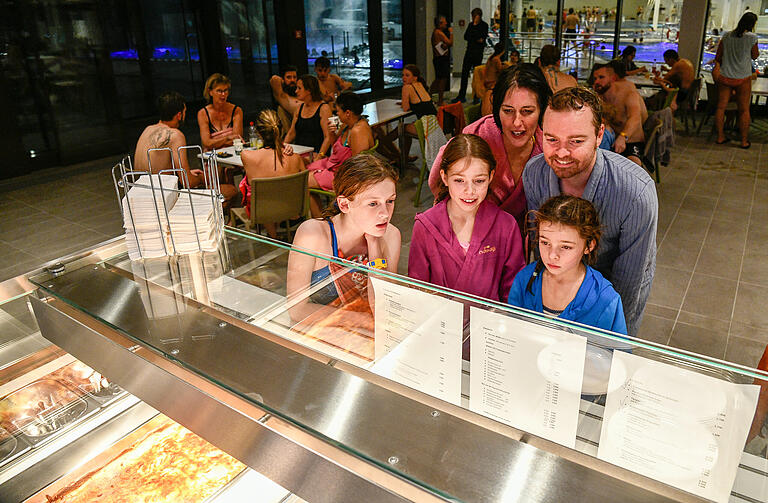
370,386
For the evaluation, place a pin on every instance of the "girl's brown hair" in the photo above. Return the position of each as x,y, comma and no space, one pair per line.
416,72
573,212
357,174
270,129
214,80
463,146
312,85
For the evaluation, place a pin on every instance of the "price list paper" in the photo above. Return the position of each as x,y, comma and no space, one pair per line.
418,340
676,426
526,375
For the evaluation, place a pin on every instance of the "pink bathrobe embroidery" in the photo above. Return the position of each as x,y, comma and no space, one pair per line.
503,191
494,257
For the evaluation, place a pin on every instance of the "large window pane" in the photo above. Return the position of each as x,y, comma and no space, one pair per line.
392,34
339,29
249,48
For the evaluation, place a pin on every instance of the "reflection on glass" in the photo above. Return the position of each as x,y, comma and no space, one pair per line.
339,31
392,34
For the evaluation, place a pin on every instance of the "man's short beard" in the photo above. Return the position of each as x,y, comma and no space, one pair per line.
289,90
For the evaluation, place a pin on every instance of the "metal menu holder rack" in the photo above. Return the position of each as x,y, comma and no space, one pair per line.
171,234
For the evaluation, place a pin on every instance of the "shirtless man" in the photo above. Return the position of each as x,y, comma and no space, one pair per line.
284,90
631,113
166,134
549,61
681,75
330,83
571,25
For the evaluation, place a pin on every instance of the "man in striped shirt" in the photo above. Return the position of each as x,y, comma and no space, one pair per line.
623,193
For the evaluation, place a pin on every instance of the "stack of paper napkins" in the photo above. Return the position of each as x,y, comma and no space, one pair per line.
151,232
195,210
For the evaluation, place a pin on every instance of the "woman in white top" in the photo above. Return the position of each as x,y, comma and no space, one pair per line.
733,73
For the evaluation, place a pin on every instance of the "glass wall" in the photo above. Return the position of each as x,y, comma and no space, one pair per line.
248,32
80,79
339,30
392,34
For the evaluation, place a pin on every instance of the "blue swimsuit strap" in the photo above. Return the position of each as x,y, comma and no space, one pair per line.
334,243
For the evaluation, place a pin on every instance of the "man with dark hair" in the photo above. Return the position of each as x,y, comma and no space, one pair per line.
623,193
166,134
514,57
284,89
331,85
631,113
549,61
681,75
571,26
475,35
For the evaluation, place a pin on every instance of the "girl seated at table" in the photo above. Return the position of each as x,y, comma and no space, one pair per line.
561,284
356,227
354,137
465,242
416,99
269,161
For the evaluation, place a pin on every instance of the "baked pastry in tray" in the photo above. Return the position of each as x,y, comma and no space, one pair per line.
167,464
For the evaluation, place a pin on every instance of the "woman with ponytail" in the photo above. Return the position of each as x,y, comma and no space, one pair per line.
267,162
355,227
465,242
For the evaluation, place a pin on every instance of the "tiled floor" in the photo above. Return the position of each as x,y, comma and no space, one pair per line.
711,287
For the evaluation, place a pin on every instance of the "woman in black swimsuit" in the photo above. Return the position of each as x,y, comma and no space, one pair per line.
310,122
220,122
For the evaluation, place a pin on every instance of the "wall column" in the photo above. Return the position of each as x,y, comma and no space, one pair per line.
693,20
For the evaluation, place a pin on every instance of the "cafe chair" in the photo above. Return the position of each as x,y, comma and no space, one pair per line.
478,82
472,112
659,131
431,138
688,107
730,110
275,200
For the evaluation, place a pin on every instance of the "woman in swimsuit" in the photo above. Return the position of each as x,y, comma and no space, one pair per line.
356,228
269,161
416,99
354,137
310,122
220,122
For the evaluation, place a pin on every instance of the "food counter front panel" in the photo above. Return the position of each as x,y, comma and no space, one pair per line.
375,396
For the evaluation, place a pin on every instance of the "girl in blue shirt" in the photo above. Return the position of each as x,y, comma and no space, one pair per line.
560,283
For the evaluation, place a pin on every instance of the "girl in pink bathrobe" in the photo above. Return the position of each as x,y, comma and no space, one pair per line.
464,242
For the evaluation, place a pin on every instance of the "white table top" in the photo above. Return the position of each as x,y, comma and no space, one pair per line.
383,111
641,80
235,160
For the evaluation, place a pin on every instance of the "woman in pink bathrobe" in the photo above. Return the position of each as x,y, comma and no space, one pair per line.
465,242
513,133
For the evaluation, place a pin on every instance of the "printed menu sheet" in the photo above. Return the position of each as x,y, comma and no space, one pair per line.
674,425
418,340
528,376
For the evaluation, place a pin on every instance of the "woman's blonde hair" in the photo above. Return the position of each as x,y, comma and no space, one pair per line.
270,128
213,81
357,174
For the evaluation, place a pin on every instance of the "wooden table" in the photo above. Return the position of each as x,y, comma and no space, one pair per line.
235,160
382,112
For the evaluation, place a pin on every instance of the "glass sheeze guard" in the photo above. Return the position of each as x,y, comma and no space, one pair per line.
628,408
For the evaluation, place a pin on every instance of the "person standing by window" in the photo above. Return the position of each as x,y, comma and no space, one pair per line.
442,41
475,35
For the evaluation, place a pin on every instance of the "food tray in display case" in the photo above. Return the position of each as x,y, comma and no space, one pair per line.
90,382
11,446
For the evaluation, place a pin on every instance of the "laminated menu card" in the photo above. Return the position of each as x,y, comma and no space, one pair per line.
418,339
676,426
526,375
